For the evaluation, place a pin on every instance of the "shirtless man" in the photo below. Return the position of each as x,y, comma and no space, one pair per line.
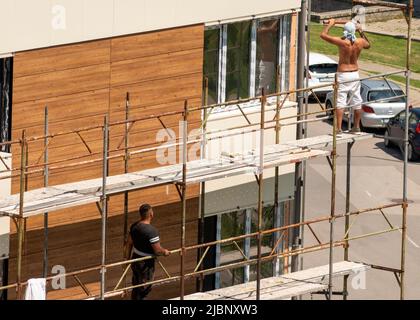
348,70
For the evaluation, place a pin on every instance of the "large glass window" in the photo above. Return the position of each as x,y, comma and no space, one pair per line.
232,224
267,56
241,58
237,62
211,64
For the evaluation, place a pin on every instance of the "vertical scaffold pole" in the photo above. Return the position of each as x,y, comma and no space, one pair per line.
406,146
260,192
45,262
347,218
203,184
333,182
20,230
276,172
299,131
126,156
104,205
184,196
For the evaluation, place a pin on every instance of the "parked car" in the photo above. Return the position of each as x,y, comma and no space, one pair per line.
322,70
395,129
376,114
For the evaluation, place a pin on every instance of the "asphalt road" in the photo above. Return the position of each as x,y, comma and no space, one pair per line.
376,179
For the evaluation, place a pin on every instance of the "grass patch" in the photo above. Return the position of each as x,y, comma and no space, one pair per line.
385,50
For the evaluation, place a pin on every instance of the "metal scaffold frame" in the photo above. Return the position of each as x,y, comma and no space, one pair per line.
279,154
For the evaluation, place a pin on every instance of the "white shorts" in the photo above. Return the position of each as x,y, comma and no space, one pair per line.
349,93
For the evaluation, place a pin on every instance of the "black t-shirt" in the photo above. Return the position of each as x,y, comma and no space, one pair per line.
144,235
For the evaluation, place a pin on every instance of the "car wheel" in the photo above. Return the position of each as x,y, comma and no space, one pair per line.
387,142
328,105
411,155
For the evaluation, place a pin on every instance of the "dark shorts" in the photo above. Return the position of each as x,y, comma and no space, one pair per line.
143,271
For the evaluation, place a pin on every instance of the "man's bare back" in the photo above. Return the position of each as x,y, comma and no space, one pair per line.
349,55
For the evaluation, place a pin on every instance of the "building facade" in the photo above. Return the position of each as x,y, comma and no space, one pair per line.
86,59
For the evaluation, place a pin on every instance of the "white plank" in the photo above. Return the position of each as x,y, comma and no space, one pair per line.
283,287
89,191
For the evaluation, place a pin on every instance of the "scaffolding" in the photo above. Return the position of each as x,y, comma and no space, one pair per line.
43,201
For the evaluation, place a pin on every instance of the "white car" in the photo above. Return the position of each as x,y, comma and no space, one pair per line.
322,70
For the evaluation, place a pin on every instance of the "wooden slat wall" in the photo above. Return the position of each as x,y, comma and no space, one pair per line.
80,84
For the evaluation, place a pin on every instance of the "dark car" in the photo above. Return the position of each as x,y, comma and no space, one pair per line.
395,129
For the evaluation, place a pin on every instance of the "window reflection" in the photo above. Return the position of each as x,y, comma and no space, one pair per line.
267,56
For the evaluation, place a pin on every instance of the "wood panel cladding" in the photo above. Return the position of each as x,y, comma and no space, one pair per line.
80,84
83,250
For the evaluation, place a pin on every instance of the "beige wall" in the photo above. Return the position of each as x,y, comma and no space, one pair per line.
239,191
29,24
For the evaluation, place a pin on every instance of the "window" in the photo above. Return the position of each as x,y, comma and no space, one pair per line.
211,63
267,242
324,68
232,224
4,267
6,67
267,56
245,222
241,58
237,62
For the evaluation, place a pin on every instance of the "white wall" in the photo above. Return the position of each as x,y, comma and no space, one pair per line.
30,24
5,189
240,191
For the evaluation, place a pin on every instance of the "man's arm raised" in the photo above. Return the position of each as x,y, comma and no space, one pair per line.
325,36
366,42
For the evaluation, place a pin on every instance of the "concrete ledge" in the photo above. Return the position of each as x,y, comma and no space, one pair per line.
372,14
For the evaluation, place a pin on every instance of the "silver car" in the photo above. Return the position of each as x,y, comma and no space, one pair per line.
376,114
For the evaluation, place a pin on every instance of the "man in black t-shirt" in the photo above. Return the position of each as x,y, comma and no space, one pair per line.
143,241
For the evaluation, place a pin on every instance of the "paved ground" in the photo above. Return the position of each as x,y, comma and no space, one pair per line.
376,176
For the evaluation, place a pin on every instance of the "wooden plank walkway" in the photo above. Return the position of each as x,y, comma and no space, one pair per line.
283,287
89,191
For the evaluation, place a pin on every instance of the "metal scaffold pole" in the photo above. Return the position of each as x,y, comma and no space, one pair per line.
299,129
333,185
203,184
347,218
305,125
184,196
20,224
104,201
126,158
406,148
276,170
45,262
260,192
